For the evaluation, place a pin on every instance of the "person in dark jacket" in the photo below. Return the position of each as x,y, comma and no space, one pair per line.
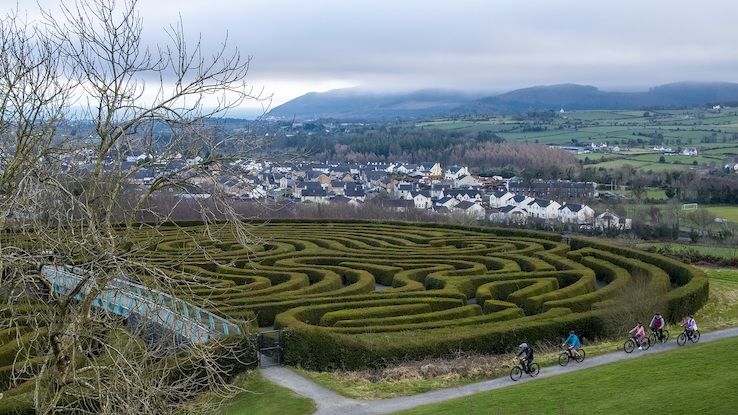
525,351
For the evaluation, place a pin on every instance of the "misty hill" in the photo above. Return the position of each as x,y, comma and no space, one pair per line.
579,97
356,104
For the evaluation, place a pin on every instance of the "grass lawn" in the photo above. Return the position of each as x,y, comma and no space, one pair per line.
261,397
717,251
728,212
685,381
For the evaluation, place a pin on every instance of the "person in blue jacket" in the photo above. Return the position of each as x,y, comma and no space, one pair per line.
573,344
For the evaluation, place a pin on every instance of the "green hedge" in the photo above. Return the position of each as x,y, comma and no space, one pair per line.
693,290
314,313
319,349
455,313
333,317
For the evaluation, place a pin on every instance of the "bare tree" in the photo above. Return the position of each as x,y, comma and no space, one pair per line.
702,219
71,199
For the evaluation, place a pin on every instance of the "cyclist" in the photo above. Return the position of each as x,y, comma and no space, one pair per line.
638,333
657,326
689,325
573,342
525,349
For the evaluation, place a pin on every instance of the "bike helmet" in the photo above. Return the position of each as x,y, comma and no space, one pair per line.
523,345
571,332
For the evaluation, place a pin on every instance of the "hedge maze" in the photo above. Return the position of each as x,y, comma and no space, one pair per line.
354,294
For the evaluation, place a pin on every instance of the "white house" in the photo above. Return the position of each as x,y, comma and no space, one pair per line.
511,214
576,213
403,190
465,195
436,171
447,202
519,200
609,220
690,151
355,193
405,168
454,172
438,191
471,209
428,169
544,209
499,199
314,195
466,180
421,199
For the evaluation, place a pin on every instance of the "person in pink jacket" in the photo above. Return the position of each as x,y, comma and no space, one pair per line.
639,333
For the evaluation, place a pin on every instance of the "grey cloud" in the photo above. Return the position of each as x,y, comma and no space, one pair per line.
493,45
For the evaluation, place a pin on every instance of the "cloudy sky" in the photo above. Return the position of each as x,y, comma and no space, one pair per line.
315,45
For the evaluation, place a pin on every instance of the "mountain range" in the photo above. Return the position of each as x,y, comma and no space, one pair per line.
356,104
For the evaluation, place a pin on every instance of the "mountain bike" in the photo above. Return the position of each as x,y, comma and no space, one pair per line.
684,336
654,337
632,343
567,355
517,371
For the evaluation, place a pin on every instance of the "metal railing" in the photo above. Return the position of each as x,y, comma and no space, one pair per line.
124,298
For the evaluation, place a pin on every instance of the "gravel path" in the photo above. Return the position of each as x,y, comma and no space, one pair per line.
331,403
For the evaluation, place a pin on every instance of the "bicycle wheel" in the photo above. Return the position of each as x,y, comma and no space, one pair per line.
564,359
653,338
629,346
580,358
534,370
666,336
682,339
695,336
646,343
516,373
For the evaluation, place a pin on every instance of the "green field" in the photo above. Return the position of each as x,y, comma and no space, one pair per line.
728,212
659,197
714,134
688,380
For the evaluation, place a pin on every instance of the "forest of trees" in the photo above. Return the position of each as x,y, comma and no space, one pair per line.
484,152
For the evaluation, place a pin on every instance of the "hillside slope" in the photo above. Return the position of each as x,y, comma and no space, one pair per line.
356,104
